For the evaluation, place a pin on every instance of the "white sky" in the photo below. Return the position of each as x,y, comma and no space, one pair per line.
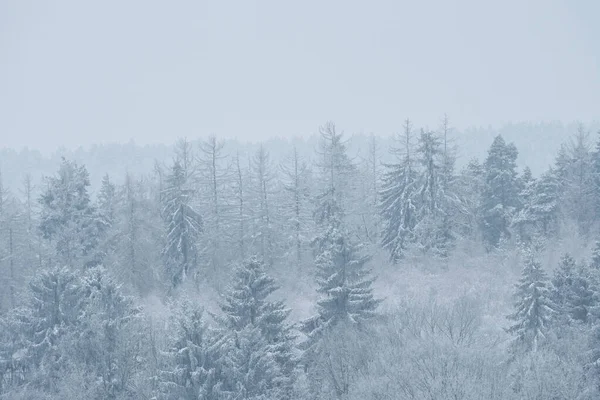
80,72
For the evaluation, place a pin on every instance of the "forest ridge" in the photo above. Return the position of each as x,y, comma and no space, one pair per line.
224,275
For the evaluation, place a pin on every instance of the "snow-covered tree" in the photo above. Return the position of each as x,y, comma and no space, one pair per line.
469,187
500,198
48,322
534,308
398,197
576,182
108,348
183,226
572,290
543,207
344,284
335,166
260,322
107,200
194,367
68,217
433,233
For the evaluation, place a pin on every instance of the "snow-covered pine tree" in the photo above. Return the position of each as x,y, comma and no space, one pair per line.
183,226
543,208
109,347
68,218
433,233
344,284
595,261
107,200
469,187
500,198
398,197
572,290
523,220
194,367
534,308
596,176
49,323
106,204
577,194
260,323
335,166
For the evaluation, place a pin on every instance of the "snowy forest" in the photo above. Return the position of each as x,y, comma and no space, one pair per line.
410,269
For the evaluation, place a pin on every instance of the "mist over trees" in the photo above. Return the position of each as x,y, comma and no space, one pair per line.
337,267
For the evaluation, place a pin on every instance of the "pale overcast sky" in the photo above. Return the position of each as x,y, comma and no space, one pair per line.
80,72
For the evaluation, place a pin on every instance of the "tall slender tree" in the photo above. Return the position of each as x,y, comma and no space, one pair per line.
500,198
183,227
534,308
399,197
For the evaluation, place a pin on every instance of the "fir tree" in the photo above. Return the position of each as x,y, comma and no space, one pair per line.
572,290
534,308
261,324
470,191
109,344
433,229
195,367
544,205
398,198
595,262
107,200
68,217
183,226
500,193
342,277
49,321
578,199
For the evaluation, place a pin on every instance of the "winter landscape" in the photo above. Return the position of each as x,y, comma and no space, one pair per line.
193,206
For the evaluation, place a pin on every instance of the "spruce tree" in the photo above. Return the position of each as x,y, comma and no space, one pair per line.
534,308
524,220
433,230
183,226
578,197
595,262
572,290
194,361
343,280
68,217
500,198
49,321
109,344
260,329
544,205
107,200
398,198
470,191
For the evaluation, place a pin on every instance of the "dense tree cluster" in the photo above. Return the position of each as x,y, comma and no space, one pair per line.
168,285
